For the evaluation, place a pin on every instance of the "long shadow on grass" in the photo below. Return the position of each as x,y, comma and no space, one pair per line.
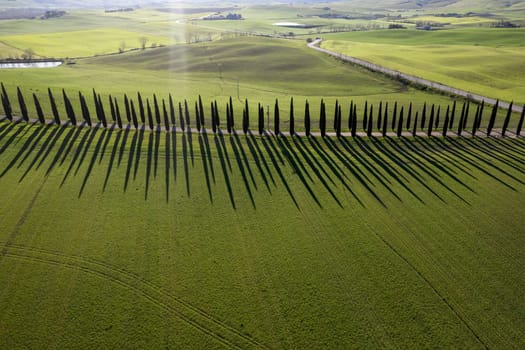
257,160
167,163
67,143
112,156
80,152
297,170
156,153
208,153
242,169
131,156
311,161
318,167
93,161
496,152
222,158
190,144
149,161
19,129
244,157
123,146
29,145
44,150
475,160
265,140
185,162
202,148
138,153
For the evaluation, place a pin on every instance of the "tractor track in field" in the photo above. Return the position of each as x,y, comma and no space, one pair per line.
193,316
315,45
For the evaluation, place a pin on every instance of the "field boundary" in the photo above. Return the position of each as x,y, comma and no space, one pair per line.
315,45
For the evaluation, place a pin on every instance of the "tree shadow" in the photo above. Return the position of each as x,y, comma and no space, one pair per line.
242,169
131,156
122,146
497,152
149,161
28,147
156,153
138,154
223,144
258,164
93,161
19,129
208,153
296,169
167,163
185,161
67,142
112,157
190,144
78,152
222,158
273,158
202,148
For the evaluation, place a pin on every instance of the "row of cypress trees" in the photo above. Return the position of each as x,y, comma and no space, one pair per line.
157,115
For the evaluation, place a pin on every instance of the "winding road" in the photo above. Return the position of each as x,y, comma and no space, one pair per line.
417,80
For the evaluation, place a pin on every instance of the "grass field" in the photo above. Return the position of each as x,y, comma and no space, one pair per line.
209,242
488,62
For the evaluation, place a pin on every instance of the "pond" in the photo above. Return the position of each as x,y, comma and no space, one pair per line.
12,65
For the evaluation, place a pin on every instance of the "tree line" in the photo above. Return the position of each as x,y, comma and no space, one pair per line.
158,113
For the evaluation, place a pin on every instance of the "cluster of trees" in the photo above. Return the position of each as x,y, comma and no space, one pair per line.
160,113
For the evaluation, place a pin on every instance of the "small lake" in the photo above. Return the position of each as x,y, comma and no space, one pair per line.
50,64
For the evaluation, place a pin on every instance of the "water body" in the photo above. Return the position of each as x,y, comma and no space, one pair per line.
50,64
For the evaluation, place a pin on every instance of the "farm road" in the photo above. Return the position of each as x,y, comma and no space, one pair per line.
420,81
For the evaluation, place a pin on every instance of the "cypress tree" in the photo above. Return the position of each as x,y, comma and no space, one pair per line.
172,111
431,121
365,116
322,119
424,116
260,115
246,124
493,116
370,124
112,109
39,111
385,120
166,118
213,120
150,116
336,114
307,118
414,129
217,118
480,117
228,119
460,124
400,123
128,109
201,111
409,116
467,109
69,108
339,120
507,120
520,124
97,108
197,117
452,115
292,119
380,115
141,109
54,108
181,117
475,124
436,125
22,103
117,114
102,112
134,115
6,103
354,121
350,115
187,114
445,126
394,116
276,117
157,109
85,111
232,117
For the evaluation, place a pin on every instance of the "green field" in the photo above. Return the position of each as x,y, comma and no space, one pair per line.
488,62
214,242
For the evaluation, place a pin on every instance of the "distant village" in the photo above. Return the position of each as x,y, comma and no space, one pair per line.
219,16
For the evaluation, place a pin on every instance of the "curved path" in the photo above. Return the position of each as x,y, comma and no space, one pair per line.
420,81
